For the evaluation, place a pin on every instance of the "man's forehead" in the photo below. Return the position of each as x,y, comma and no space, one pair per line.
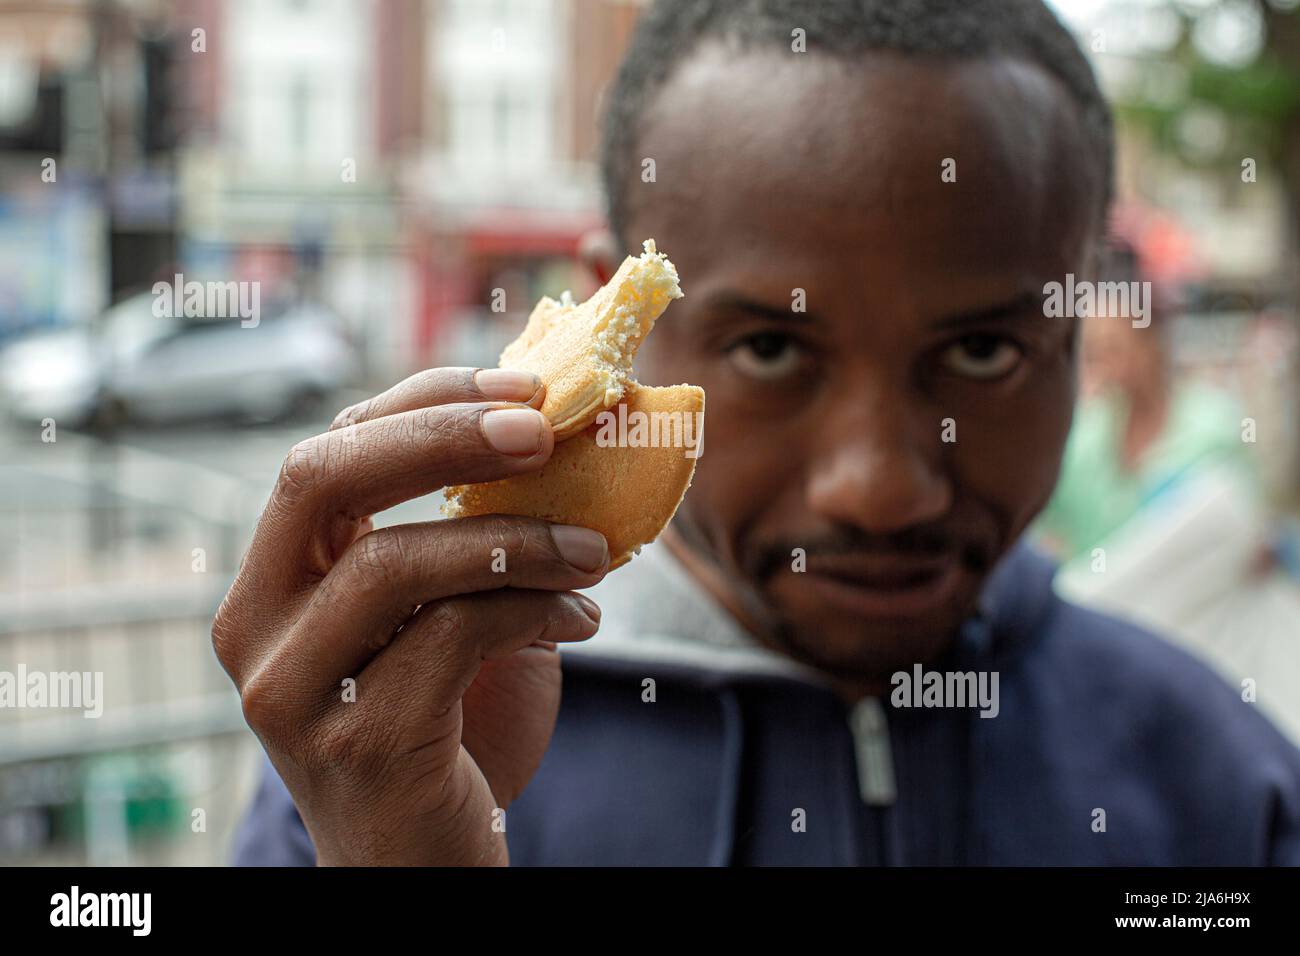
745,138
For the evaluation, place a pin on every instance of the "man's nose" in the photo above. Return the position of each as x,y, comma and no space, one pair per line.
881,468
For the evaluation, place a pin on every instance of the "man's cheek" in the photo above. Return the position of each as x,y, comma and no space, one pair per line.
704,519
726,478
733,478
1012,457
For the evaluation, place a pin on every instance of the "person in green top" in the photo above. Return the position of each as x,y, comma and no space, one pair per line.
1138,432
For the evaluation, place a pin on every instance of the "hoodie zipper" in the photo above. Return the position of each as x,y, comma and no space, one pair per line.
874,756
875,763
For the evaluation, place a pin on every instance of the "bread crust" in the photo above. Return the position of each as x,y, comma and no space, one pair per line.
628,494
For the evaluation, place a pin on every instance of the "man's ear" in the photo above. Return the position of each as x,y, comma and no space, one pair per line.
598,253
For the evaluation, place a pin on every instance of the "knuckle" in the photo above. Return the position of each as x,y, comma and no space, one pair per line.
447,621
222,630
303,468
521,537
233,632
224,635
376,559
261,703
455,431
429,381
525,542
536,544
352,415
559,620
456,638
549,625
499,531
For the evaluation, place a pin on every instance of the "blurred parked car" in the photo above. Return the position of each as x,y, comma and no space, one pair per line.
140,367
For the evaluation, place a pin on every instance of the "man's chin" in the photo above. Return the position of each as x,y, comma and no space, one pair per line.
852,630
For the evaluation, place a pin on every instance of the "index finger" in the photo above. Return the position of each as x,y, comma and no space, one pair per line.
442,386
330,483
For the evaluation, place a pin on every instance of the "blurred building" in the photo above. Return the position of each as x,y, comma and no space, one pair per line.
425,152
86,142
505,183
287,171
397,160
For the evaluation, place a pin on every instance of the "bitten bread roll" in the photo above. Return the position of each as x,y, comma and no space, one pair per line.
584,352
628,494
624,472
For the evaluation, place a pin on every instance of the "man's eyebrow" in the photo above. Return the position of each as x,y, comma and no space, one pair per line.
736,302
1024,306
1021,307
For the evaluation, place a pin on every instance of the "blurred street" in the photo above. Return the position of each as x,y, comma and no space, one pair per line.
85,510
120,552
222,221
102,577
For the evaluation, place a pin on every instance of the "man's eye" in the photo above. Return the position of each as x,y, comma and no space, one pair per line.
767,355
982,356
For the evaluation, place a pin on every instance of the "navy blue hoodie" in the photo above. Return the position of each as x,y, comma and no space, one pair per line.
1109,747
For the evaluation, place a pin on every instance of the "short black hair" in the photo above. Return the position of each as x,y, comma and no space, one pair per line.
670,30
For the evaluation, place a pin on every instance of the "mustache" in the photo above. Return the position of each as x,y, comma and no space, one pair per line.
934,541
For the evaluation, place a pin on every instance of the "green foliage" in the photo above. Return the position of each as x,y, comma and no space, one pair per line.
1259,101
1266,89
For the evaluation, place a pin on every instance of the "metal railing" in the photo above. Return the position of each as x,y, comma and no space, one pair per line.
163,773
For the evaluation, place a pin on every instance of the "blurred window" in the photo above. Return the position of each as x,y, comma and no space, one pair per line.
299,112
499,73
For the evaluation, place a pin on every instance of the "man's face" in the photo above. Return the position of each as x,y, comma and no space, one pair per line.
905,426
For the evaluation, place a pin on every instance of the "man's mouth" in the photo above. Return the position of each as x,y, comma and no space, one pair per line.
883,585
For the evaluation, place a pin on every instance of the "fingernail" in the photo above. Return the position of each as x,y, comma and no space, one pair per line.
513,431
581,547
590,607
506,385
